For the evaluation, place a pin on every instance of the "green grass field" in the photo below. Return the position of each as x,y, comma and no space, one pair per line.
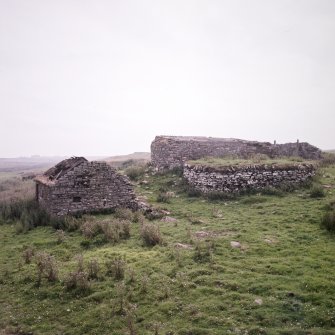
279,281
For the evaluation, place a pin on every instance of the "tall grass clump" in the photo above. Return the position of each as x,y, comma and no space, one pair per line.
14,209
138,217
163,197
90,229
214,195
135,172
259,158
328,159
328,221
26,213
93,269
317,191
60,235
65,223
124,214
116,230
203,251
270,190
185,187
46,267
151,234
78,280
116,268
28,254
111,231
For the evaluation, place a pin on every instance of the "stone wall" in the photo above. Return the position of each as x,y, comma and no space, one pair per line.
241,178
168,152
91,186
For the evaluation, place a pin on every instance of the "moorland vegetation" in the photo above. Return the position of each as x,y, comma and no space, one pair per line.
258,263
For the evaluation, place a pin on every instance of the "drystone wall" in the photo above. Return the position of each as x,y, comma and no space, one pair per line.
89,187
168,152
236,179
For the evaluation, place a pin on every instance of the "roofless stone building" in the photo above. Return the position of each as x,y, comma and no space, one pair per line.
168,152
76,185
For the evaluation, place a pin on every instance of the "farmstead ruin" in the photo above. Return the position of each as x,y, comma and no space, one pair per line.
168,152
76,185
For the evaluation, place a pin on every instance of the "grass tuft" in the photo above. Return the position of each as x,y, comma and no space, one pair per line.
328,221
151,234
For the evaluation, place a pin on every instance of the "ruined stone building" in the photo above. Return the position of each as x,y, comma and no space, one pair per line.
77,185
168,152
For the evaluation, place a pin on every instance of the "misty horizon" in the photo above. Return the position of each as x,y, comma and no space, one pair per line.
95,157
104,78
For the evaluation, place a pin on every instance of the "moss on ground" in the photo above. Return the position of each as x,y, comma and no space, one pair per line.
280,281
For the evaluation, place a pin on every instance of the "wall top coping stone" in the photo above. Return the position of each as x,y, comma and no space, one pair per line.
216,139
203,139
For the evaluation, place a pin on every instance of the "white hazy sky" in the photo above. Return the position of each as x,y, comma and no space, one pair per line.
103,77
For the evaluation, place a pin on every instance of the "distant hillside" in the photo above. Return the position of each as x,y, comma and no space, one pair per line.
143,156
37,163
27,163
332,151
123,161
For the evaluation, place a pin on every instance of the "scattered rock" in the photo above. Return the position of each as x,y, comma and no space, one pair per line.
235,244
168,219
183,246
153,214
217,214
220,233
327,186
201,234
196,221
258,301
270,240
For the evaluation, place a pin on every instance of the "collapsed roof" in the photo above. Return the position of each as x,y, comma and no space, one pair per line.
60,169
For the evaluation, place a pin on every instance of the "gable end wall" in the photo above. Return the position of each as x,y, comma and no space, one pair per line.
90,187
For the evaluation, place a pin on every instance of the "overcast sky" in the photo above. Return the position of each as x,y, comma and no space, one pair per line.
103,77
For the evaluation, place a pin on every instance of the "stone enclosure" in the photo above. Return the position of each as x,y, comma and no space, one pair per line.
168,152
233,179
76,185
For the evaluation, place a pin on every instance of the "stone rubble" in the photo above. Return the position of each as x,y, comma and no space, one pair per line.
235,244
